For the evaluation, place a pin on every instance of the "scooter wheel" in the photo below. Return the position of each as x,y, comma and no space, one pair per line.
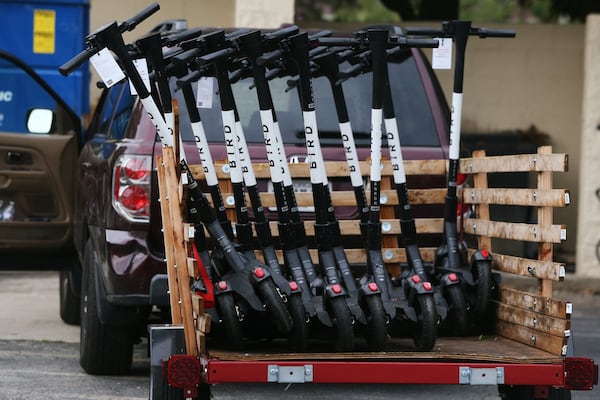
342,323
425,334
276,308
376,332
458,317
482,271
230,320
298,337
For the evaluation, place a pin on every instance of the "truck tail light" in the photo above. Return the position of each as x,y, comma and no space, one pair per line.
131,187
580,373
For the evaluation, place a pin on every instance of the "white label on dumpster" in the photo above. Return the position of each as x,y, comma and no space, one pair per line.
442,55
106,66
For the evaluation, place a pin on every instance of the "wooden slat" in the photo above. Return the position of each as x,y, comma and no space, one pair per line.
538,322
543,341
527,267
389,226
176,312
346,198
516,163
517,197
536,303
516,231
545,250
338,169
174,210
482,210
391,255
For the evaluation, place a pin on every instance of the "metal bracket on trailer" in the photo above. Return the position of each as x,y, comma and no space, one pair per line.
289,374
481,376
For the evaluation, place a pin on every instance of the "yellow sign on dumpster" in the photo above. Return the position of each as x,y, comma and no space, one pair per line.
44,29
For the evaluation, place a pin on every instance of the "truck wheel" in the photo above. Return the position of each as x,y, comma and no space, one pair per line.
298,337
230,320
376,332
70,302
276,308
104,349
458,317
425,334
482,271
342,323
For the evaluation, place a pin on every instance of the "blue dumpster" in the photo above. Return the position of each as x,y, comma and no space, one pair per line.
44,34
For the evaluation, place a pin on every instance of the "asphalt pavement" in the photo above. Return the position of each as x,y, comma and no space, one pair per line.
39,355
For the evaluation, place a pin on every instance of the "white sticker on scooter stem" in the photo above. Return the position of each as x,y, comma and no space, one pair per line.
142,68
244,155
160,125
204,95
351,154
441,57
106,66
287,176
395,148
235,171
268,126
314,157
204,153
376,122
455,125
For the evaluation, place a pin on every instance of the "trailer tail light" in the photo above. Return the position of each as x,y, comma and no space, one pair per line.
131,187
184,372
580,373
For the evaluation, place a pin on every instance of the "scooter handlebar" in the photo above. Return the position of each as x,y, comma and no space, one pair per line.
131,23
495,33
176,38
424,31
281,33
270,56
76,61
422,43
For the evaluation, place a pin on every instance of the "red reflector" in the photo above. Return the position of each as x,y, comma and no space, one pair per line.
184,371
337,289
293,286
135,198
416,279
136,168
452,277
259,272
461,178
427,286
485,253
222,285
581,373
373,287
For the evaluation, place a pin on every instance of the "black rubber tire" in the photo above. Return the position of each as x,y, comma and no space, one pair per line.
425,334
482,272
508,392
70,302
103,349
229,320
275,306
376,332
458,311
300,333
342,324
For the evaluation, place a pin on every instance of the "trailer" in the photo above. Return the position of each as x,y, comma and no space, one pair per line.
525,350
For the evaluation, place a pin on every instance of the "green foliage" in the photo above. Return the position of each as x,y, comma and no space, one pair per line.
488,10
364,11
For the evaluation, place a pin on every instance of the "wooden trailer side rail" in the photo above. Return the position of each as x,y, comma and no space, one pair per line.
534,319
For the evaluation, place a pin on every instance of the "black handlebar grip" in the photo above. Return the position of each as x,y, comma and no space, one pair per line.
131,23
271,56
423,43
496,33
176,38
214,56
282,33
337,41
424,31
75,62
189,78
